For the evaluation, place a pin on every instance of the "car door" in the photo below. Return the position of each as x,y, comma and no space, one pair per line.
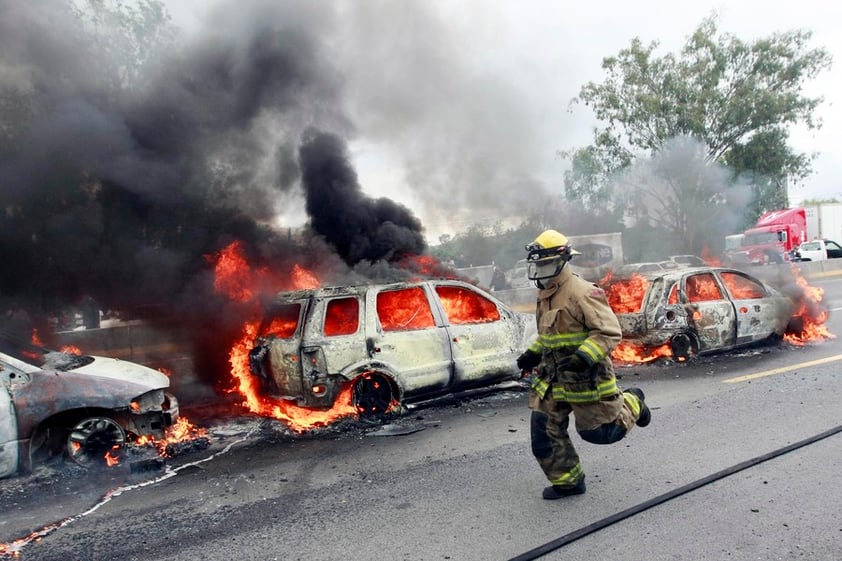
8,424
710,314
754,312
410,339
483,337
834,250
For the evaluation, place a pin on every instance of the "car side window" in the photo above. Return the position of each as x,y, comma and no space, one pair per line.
463,306
281,321
702,288
404,310
742,288
342,316
673,295
833,245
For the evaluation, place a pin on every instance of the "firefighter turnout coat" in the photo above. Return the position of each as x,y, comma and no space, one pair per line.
573,317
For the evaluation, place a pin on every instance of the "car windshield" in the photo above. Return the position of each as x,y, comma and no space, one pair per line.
761,238
26,351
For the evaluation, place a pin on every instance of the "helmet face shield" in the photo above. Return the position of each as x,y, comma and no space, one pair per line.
544,268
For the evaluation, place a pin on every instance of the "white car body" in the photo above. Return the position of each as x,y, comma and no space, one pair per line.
58,392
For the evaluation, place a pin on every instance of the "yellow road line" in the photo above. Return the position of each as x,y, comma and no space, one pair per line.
782,370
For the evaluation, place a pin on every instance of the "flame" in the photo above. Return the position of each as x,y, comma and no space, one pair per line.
625,296
708,258
236,279
36,339
71,349
299,419
810,315
182,431
111,459
463,306
626,352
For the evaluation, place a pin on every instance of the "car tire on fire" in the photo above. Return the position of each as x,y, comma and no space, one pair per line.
683,345
373,393
92,438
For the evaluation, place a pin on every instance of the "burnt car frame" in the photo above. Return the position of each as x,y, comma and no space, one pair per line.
699,310
55,404
394,343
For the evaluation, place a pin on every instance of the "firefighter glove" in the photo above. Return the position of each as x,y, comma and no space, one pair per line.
573,363
528,360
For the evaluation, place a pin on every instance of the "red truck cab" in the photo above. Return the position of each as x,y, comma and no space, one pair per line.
773,237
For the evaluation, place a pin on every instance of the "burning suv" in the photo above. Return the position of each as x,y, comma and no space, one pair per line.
697,310
392,343
54,403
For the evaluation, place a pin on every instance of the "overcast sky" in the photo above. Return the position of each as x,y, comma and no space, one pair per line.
460,107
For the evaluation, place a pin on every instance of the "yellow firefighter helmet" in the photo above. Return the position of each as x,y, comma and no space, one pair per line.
547,255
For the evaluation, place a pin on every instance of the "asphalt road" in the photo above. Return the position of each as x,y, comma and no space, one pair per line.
456,480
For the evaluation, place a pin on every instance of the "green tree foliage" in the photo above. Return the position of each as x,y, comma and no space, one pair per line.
736,98
817,202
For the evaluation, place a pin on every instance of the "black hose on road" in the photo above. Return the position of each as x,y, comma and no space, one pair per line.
622,515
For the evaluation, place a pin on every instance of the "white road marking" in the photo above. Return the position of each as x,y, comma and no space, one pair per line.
782,370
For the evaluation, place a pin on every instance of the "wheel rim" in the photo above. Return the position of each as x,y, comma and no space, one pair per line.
682,346
92,439
372,394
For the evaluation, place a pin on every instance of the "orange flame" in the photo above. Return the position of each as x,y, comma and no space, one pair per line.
810,315
112,460
297,418
625,296
709,258
36,339
626,352
236,279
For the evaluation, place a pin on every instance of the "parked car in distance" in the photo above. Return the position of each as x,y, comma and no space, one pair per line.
516,276
85,407
697,310
397,342
817,250
642,268
688,260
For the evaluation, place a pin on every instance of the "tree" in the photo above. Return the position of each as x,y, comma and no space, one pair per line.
736,98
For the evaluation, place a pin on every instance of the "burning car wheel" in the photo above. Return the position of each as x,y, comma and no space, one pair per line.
682,346
372,394
95,440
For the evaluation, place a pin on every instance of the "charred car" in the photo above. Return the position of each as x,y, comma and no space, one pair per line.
697,310
85,407
391,343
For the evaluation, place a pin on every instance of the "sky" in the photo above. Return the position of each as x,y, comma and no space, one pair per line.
458,108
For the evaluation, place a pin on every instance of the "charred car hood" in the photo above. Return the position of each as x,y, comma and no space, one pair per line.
116,369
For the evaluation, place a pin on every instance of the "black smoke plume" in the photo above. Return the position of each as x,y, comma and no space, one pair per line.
120,192
359,227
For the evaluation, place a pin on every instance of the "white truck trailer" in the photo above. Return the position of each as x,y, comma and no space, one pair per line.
824,222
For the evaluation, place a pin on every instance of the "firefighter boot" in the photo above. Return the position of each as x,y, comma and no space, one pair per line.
645,414
557,491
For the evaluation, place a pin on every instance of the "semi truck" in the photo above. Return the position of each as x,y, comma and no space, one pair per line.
772,238
824,221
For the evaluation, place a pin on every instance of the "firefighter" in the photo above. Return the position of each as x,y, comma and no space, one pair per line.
577,330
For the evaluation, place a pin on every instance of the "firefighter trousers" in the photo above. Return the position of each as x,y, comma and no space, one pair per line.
602,422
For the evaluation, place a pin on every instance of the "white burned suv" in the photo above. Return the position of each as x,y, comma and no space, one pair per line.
392,343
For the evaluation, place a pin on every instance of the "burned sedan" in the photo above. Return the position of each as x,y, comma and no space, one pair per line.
697,310
392,343
85,407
